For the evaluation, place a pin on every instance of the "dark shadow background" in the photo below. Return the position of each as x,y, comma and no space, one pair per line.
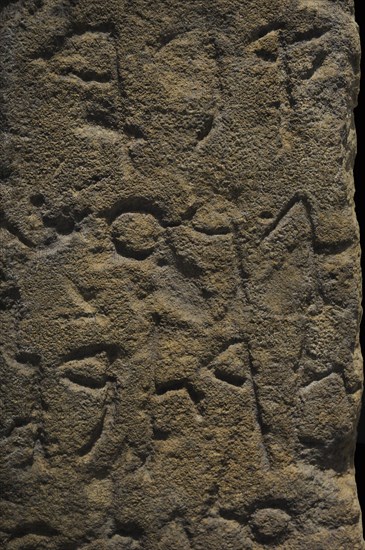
360,203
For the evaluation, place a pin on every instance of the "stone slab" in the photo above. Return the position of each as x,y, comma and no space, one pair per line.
180,285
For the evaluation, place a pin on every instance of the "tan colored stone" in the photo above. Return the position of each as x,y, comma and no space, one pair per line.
179,286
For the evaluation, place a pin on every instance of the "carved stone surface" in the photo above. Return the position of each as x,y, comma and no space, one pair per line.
180,290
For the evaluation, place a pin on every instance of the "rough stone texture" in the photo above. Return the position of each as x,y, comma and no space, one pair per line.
180,275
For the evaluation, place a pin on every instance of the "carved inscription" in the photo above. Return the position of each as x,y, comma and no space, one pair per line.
179,284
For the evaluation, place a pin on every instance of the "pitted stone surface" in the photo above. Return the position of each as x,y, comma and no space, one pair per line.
180,288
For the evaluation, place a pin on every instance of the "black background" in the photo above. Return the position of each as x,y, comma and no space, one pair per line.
360,209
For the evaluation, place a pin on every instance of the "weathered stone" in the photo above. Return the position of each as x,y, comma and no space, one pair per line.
180,289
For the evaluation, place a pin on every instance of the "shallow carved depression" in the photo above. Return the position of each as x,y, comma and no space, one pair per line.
179,279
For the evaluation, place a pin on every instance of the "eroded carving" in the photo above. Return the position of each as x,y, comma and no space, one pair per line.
180,297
